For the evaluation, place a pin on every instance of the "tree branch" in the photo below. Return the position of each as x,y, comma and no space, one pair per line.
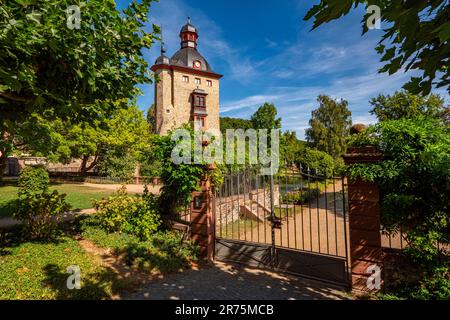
17,98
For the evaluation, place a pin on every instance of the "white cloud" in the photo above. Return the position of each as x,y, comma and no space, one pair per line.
172,14
270,43
295,104
333,60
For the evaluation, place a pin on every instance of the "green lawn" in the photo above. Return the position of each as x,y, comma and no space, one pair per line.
237,228
164,252
38,270
79,196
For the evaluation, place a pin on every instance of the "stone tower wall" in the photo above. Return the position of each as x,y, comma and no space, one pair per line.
174,95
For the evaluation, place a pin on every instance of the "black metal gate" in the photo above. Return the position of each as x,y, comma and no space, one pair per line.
292,222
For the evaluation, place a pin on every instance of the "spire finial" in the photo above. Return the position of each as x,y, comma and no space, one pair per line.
163,49
189,20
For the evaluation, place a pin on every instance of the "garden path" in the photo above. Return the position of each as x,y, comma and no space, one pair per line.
131,188
221,281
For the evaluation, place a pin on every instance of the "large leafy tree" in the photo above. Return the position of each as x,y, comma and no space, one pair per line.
266,117
234,123
329,126
290,147
151,118
403,104
50,70
125,134
416,36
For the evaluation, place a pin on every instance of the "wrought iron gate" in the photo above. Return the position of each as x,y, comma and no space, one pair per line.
292,222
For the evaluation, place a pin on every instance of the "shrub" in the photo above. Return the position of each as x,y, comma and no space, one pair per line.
41,213
430,285
321,163
136,215
164,251
172,242
304,194
114,166
414,181
39,210
179,180
33,180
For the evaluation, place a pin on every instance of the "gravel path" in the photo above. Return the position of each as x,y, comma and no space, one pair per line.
220,281
131,188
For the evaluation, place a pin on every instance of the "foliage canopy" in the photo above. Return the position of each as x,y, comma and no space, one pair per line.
403,104
416,36
329,126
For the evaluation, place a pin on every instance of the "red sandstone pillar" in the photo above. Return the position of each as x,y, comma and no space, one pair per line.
202,220
364,225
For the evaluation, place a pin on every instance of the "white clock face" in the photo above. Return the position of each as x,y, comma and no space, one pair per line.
197,64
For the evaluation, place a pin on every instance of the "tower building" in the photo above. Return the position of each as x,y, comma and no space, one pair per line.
188,88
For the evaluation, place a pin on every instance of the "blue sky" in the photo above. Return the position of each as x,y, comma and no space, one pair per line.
267,53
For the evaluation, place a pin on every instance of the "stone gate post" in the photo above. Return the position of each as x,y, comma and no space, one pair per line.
366,256
202,219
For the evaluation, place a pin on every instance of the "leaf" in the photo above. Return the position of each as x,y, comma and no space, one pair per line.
312,12
413,85
34,16
25,2
444,34
380,48
78,72
395,65
389,54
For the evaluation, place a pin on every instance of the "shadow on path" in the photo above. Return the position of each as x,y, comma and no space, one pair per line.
220,281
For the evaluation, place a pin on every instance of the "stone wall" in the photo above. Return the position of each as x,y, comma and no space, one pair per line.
257,202
173,100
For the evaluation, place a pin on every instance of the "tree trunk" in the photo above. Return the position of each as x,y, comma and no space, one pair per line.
4,150
84,164
84,167
3,163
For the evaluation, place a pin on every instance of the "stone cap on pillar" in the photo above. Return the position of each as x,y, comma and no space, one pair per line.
364,154
368,154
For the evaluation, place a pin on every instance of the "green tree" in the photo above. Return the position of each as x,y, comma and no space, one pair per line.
318,162
234,123
290,147
266,117
123,135
403,104
416,35
329,126
151,118
48,69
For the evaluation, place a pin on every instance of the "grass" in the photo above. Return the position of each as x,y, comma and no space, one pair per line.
164,252
235,229
78,196
37,270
